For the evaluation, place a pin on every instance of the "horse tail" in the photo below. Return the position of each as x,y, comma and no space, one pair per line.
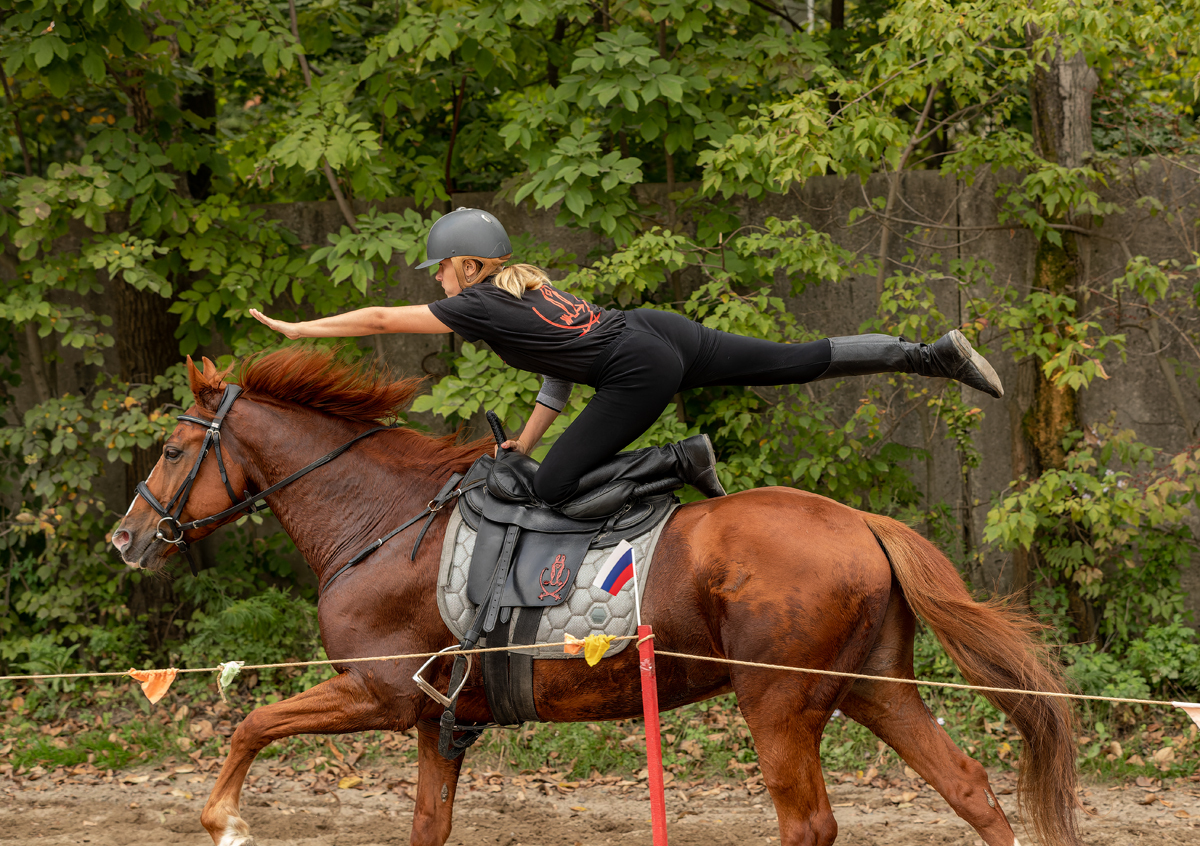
995,645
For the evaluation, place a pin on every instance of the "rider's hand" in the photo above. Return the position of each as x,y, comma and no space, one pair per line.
292,330
514,445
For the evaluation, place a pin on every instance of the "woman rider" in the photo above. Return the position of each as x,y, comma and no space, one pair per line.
636,360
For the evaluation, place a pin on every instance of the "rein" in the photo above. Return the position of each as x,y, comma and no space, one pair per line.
249,504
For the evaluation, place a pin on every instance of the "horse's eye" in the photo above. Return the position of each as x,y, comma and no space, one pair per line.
172,453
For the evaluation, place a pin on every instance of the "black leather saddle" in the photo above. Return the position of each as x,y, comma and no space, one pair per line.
537,549
526,558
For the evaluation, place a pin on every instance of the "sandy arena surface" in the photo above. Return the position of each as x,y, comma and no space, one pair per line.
161,807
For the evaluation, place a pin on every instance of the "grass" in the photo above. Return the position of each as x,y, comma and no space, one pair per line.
115,728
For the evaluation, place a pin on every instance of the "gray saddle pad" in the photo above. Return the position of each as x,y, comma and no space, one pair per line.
586,610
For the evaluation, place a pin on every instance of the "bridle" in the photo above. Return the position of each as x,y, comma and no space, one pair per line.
173,510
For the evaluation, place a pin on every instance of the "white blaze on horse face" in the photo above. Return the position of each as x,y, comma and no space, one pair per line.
136,495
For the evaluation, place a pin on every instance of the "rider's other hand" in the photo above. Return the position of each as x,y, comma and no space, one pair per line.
515,446
292,330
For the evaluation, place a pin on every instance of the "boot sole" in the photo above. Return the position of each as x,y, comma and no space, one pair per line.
980,363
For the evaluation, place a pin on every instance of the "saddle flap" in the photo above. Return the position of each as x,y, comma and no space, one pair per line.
545,569
542,569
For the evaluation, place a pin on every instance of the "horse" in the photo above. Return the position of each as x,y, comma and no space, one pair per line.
773,575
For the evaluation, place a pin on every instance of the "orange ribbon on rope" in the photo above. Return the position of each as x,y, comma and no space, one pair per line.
1192,709
155,683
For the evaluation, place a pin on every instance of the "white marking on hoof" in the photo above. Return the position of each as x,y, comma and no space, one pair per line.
237,833
1016,842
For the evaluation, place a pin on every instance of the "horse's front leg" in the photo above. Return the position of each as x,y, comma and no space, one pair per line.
437,779
344,703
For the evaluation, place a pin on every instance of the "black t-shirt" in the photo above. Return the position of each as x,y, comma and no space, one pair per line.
546,331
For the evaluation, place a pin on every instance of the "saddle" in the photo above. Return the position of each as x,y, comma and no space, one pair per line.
525,560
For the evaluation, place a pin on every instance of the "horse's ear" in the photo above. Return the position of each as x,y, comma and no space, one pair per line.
218,376
205,388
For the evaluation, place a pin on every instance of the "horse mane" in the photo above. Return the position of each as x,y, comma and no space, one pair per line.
320,378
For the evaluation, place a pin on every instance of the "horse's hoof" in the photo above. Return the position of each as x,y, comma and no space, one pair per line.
235,837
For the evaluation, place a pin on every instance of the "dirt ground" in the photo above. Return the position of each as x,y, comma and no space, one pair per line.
161,807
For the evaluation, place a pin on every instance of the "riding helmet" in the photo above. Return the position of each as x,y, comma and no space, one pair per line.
466,232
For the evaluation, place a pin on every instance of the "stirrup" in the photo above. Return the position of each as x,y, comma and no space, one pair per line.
447,700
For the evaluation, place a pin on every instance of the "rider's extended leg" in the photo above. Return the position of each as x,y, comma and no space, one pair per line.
729,359
949,357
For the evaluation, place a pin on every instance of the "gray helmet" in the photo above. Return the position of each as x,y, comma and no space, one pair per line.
465,232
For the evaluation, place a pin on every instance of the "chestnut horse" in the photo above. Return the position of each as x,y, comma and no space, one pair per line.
775,575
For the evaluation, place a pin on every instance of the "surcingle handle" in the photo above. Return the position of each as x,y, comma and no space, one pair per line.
497,430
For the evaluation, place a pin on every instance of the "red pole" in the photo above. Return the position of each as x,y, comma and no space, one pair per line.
658,801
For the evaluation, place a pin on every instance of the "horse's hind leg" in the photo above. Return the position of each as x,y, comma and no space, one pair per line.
788,741
895,713
341,704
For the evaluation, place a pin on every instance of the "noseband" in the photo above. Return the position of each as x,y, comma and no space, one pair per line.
173,510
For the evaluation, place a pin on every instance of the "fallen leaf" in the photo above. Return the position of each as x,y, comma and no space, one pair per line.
1148,799
187,768
349,782
132,779
578,808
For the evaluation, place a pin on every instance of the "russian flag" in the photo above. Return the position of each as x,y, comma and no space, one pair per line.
617,570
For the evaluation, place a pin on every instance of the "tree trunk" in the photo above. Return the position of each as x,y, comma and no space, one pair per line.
1061,102
145,347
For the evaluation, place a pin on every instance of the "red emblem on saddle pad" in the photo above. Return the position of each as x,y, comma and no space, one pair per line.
559,577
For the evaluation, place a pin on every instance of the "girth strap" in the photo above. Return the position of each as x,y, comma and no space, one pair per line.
508,676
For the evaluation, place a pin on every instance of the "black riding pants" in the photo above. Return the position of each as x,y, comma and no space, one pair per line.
659,355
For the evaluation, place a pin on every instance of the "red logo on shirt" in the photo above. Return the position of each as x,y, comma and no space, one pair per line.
576,314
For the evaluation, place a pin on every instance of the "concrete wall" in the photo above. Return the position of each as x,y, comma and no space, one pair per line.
962,221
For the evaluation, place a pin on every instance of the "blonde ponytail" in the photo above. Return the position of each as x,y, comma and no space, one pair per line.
520,278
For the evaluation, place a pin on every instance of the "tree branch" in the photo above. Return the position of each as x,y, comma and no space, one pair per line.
17,122
347,213
458,101
779,12
894,189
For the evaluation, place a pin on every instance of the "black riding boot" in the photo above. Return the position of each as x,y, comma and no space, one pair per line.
691,461
949,357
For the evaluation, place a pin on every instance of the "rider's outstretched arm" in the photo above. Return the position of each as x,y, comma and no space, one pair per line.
377,320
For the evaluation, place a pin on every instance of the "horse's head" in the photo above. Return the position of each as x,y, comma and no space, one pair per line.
186,484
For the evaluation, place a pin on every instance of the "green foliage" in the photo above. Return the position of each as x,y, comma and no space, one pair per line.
151,135
1118,534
